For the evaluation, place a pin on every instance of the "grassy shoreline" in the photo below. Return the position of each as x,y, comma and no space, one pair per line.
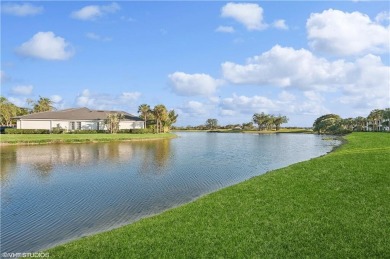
334,206
34,139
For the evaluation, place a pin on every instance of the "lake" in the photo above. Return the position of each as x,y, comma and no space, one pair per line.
51,194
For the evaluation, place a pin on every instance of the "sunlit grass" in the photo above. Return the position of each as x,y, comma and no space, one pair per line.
75,138
335,206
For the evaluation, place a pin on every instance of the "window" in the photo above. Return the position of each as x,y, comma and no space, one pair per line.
72,126
97,125
79,125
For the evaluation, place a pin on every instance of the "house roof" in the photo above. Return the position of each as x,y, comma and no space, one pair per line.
76,114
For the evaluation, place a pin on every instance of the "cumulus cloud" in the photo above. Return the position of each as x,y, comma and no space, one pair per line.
368,84
46,45
280,24
363,83
341,33
226,29
245,104
56,98
92,12
105,101
22,89
250,15
193,108
97,37
193,84
286,67
25,9
383,17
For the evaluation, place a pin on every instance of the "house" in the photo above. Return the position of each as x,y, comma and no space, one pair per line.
75,119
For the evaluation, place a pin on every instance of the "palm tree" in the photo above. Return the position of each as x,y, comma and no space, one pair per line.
359,123
112,121
386,116
375,117
172,118
160,113
42,105
144,111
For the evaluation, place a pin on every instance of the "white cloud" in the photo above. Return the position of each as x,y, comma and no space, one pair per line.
106,101
193,84
247,105
280,24
368,84
56,98
286,97
92,12
383,17
130,96
25,9
250,15
20,102
287,67
46,45
22,89
193,108
341,33
226,29
97,37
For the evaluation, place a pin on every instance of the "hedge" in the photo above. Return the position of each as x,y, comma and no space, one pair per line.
26,131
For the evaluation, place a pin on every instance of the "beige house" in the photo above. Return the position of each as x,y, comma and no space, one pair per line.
75,119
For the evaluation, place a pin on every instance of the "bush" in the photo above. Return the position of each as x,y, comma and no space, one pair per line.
136,131
26,131
57,131
87,131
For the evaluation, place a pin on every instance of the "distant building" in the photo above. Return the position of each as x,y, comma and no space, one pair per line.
75,119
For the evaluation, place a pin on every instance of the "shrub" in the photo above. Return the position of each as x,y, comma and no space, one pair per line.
26,131
87,131
57,131
136,131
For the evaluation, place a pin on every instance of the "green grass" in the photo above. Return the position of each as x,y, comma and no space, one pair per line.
335,206
75,138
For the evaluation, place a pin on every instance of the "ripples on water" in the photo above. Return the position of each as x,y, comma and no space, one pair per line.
54,193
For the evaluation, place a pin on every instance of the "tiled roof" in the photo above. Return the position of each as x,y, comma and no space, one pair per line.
76,114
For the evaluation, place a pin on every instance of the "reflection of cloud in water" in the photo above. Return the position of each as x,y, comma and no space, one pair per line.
43,159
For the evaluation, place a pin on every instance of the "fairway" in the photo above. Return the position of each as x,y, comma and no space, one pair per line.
335,206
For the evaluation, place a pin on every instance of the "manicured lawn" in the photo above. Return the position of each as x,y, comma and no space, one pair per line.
335,206
75,138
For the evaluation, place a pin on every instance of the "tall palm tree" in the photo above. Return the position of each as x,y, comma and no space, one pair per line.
144,111
160,113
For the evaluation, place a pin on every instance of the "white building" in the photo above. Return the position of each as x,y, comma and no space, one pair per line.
75,119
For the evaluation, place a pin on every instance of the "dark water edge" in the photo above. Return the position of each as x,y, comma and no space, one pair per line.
103,186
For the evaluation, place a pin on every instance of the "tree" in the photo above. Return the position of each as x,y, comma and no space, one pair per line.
374,117
172,118
386,117
212,123
161,115
7,111
42,105
144,111
359,123
112,121
278,120
327,123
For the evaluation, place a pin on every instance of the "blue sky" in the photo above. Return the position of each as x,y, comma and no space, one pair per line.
224,60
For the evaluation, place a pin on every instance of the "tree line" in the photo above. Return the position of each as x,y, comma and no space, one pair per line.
262,120
377,120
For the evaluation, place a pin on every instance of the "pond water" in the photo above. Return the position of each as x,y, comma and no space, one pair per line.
51,194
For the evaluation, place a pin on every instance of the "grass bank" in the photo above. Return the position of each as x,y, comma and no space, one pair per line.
76,138
335,206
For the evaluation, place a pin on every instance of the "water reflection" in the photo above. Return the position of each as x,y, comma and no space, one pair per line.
42,160
55,193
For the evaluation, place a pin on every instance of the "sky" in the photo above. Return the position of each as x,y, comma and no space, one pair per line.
223,60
